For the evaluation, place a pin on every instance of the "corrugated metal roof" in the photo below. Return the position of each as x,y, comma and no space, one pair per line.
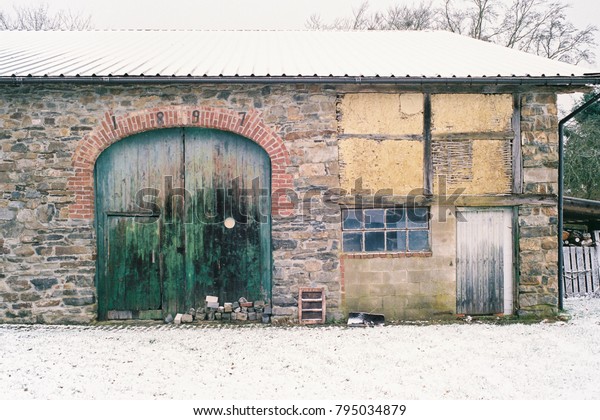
266,53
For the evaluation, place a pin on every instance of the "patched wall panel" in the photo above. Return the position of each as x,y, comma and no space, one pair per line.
477,166
471,113
381,113
386,164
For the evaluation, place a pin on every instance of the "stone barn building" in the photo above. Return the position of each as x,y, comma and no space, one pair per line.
412,174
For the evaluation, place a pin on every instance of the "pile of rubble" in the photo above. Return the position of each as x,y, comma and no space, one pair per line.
241,310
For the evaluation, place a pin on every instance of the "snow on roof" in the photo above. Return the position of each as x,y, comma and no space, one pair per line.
180,53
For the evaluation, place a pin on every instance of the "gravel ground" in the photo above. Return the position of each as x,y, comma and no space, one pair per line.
546,360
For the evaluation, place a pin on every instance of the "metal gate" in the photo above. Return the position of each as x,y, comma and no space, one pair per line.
484,262
182,213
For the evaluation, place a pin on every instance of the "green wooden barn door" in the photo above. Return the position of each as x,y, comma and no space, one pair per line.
162,200
228,242
137,250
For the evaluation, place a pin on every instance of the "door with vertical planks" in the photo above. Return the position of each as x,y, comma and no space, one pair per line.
484,262
228,237
181,213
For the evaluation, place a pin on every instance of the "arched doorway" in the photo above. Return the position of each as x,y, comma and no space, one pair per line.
182,213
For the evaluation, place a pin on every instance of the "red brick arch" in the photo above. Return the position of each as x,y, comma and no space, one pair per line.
115,127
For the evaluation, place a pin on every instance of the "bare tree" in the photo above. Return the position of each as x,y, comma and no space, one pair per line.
419,17
536,26
41,18
396,17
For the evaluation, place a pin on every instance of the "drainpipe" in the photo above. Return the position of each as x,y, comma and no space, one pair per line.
561,147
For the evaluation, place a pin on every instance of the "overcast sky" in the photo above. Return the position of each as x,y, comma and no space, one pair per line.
239,14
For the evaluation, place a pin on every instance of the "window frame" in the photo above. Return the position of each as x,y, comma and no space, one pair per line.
363,229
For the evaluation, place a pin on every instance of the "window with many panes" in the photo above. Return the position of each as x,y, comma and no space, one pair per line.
386,230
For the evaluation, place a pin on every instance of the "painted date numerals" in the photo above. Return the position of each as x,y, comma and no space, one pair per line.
160,118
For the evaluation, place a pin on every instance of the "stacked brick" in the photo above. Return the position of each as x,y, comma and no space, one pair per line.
240,310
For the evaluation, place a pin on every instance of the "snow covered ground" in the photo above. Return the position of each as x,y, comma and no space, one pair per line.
546,360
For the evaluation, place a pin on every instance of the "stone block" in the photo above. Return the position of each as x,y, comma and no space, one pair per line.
71,250
226,316
79,301
18,285
241,316
218,316
44,283
283,311
178,319
187,319
246,304
227,307
212,299
251,316
6,214
210,316
212,305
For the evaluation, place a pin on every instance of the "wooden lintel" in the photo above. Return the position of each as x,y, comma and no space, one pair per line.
449,201
382,137
500,135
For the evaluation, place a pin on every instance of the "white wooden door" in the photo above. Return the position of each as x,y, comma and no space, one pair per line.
484,261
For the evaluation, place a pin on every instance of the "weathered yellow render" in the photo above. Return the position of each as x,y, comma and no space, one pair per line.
382,113
470,113
382,164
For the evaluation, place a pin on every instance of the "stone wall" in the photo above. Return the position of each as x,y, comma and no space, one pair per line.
538,244
48,243
47,237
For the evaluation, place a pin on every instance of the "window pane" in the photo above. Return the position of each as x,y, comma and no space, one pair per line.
417,217
396,241
395,218
374,219
352,219
374,241
418,240
353,242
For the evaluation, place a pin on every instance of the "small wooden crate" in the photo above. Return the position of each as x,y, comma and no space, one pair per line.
311,305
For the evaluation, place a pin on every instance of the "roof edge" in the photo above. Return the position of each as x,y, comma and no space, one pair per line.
558,81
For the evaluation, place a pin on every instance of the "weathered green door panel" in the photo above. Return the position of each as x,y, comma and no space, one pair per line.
130,181
230,178
161,200
132,265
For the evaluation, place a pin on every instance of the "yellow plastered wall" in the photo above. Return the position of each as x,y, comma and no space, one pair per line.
382,113
387,164
471,113
488,167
